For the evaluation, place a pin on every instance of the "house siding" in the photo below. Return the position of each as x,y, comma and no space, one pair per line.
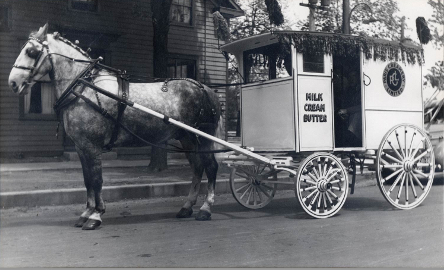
131,51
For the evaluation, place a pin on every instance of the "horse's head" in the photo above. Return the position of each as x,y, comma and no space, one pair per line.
32,64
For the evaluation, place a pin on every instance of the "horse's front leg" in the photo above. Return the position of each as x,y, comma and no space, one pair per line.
187,209
211,167
91,160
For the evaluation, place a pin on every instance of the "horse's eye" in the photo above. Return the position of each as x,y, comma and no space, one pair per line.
33,53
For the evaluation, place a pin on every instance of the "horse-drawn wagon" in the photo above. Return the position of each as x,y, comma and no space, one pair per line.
314,101
310,101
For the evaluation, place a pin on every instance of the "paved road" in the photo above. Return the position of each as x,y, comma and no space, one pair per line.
367,232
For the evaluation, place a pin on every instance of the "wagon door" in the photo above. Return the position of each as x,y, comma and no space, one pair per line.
314,102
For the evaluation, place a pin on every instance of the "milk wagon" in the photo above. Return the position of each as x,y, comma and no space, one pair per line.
316,105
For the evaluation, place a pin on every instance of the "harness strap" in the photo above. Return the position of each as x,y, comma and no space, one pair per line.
123,93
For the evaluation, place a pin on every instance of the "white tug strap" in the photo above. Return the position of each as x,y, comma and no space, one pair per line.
95,216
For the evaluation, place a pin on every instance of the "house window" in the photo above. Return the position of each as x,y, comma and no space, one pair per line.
85,5
38,103
4,19
181,11
313,63
181,68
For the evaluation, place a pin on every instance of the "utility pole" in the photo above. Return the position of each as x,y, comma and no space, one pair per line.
311,16
346,17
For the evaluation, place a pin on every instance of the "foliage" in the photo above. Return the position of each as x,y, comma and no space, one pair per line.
274,12
423,30
221,26
387,25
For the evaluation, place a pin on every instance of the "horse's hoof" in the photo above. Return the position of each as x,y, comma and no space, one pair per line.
184,213
203,215
91,224
81,221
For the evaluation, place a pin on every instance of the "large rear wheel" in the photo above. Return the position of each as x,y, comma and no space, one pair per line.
407,153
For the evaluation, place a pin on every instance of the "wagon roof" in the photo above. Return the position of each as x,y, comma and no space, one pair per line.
333,43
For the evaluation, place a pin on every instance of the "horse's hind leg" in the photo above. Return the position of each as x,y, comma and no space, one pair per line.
196,165
90,158
211,167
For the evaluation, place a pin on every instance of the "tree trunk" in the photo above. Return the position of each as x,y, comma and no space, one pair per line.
161,27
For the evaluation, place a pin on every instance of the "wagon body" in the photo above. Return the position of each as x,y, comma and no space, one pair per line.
297,112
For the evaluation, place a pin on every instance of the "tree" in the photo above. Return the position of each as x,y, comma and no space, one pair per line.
436,75
160,16
161,26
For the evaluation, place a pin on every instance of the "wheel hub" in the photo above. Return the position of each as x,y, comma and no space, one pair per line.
408,165
323,185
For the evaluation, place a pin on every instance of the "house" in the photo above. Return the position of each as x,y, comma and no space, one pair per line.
121,31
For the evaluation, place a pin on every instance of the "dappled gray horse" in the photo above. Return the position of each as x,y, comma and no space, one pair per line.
184,100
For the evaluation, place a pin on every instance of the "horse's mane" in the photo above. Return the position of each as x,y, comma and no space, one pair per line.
57,36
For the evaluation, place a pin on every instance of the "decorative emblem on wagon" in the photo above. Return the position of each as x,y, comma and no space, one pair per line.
393,78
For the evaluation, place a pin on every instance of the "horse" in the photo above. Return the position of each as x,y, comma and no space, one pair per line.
185,100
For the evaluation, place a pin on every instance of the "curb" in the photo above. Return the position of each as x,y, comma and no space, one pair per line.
126,192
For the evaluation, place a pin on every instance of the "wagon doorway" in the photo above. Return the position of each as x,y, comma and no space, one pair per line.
347,101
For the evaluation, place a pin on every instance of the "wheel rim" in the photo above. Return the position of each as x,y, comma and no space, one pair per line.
322,185
408,153
252,185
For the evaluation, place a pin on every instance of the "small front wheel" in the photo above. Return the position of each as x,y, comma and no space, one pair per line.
322,185
252,185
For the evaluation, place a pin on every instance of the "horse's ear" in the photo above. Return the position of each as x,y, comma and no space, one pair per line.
41,34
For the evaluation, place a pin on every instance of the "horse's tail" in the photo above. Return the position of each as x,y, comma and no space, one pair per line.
219,133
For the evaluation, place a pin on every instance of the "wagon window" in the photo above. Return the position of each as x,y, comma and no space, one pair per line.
267,63
313,62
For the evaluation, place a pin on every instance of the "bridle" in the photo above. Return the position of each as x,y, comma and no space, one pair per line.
36,66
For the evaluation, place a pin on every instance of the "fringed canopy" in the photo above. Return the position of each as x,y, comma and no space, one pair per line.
347,45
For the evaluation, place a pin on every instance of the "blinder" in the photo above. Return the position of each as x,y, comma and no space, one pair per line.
35,54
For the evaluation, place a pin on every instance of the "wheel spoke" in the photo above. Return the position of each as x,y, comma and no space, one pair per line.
267,186
242,187
422,155
400,188
329,198
320,199
388,166
263,191
421,173
333,175
325,168
245,192
259,194
309,195
319,167
399,144
308,181
412,185
393,174
316,172
394,149
336,181
325,201
254,196
395,183
249,194
407,189
336,188
332,194
405,142
390,157
313,200
417,180
417,148
309,188
411,142
419,164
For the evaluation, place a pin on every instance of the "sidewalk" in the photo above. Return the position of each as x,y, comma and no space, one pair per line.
60,183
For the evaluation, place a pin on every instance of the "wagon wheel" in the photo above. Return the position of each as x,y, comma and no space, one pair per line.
322,185
408,153
252,185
